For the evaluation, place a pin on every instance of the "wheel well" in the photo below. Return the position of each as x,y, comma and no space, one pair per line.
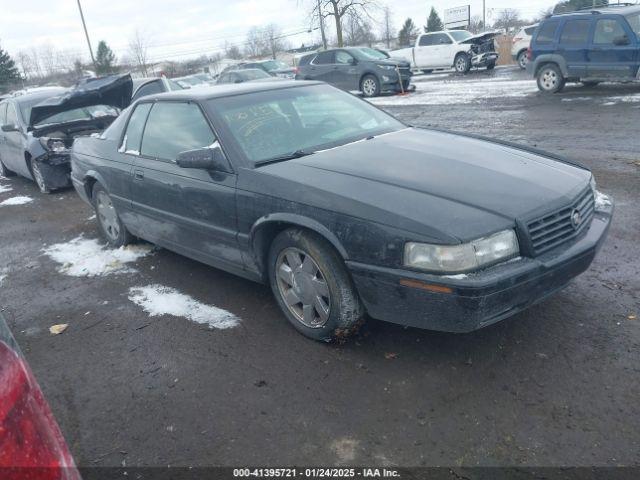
367,74
89,182
264,236
544,64
521,50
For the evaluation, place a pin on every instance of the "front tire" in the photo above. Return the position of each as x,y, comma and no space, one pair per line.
550,79
109,223
38,177
312,286
462,63
522,60
370,86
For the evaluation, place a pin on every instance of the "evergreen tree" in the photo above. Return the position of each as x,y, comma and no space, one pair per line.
105,59
8,71
434,24
407,33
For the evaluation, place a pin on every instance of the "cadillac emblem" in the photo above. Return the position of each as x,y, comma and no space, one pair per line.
576,218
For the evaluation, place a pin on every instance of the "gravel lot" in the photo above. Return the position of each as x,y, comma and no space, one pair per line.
555,385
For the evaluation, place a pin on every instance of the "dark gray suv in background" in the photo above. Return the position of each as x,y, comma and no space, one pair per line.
357,68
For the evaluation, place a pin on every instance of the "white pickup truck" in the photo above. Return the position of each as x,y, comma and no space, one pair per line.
451,48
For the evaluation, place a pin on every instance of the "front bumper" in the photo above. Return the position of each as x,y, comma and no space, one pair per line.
391,83
484,59
481,298
56,170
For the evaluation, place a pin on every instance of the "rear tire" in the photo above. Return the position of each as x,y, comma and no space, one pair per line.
109,223
4,171
462,63
312,286
370,86
550,79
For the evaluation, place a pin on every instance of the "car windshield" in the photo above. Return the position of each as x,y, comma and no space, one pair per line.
460,35
634,21
275,65
275,123
85,113
369,54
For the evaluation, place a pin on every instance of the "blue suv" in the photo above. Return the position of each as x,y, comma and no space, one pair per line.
587,46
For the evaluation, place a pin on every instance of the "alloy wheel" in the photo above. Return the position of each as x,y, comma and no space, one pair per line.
522,60
37,176
369,87
303,287
549,79
107,216
461,64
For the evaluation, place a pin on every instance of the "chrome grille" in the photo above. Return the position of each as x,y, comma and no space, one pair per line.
556,228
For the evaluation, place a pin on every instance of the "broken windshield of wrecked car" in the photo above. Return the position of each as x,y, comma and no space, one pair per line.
272,124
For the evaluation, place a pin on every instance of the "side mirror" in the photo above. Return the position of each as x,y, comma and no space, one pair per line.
621,40
10,127
209,158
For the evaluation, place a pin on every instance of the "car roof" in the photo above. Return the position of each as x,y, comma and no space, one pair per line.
229,90
612,9
37,95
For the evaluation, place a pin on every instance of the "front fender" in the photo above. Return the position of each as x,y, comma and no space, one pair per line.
89,178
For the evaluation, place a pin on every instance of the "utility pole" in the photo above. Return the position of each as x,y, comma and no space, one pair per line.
86,33
321,18
484,15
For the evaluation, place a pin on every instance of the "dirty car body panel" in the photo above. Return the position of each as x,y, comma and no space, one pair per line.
367,191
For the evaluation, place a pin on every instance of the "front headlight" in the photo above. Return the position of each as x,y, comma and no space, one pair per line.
462,258
387,67
54,145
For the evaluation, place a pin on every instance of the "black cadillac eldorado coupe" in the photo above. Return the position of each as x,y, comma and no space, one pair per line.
343,209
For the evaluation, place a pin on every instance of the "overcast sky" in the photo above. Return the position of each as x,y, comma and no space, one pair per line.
179,29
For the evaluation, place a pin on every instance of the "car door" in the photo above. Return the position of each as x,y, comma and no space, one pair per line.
345,74
574,45
613,51
191,211
13,149
321,67
425,51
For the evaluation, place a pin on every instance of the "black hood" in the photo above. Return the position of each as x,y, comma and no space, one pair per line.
481,38
114,91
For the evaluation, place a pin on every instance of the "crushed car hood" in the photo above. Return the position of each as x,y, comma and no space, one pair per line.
481,38
406,179
114,91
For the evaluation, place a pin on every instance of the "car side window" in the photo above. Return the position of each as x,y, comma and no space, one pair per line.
441,39
150,88
343,58
547,32
575,32
607,30
3,113
133,135
427,40
173,128
324,58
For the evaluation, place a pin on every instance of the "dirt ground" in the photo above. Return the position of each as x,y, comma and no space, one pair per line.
556,385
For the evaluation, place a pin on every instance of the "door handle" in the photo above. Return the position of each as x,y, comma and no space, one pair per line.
138,174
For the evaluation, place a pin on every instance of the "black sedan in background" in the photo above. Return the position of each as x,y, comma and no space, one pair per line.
357,68
341,208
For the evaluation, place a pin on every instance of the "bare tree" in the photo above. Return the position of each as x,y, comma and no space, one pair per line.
26,64
509,19
232,51
49,58
272,38
387,26
255,45
36,63
138,48
476,25
357,31
340,10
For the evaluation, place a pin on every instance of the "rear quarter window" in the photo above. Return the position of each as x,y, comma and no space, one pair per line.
547,32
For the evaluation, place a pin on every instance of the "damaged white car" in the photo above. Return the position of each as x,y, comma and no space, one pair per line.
457,49
38,128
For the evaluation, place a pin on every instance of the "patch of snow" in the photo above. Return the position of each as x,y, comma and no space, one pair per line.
159,300
82,257
602,200
608,104
2,277
577,99
459,92
132,152
4,188
16,201
92,217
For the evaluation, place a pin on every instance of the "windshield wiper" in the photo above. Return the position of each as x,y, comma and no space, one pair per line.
285,157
